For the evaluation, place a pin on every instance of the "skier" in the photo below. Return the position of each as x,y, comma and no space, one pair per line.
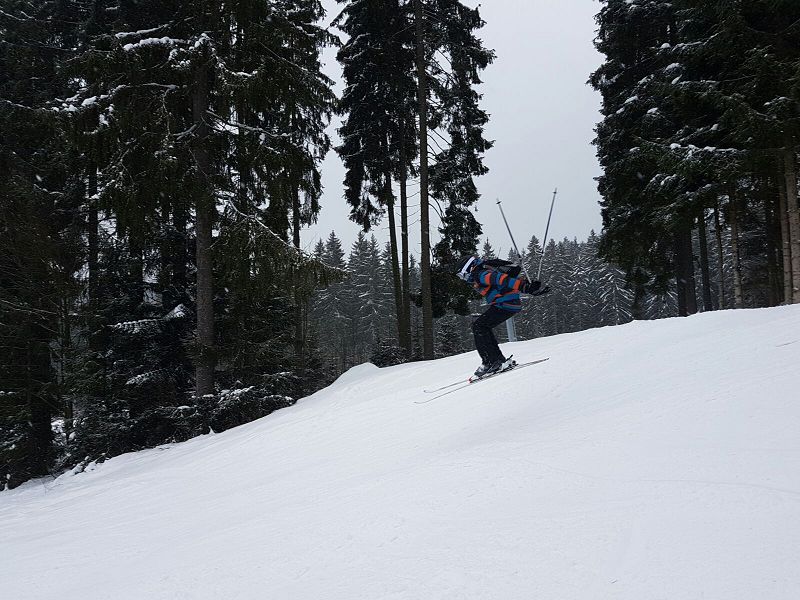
499,283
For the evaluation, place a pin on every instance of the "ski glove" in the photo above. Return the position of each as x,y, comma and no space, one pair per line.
534,288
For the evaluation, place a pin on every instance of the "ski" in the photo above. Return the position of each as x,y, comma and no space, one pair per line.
450,388
461,381
444,387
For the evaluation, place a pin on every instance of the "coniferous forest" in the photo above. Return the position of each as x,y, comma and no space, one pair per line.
159,160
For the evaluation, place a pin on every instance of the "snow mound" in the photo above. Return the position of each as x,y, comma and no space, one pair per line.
652,460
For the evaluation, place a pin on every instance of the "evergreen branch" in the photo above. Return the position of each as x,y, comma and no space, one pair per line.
37,46
129,34
243,126
308,75
28,309
15,18
15,105
297,251
433,130
436,143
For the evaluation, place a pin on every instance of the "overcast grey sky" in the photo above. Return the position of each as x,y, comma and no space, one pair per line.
542,120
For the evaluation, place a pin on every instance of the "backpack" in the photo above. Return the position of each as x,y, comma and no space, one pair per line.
502,266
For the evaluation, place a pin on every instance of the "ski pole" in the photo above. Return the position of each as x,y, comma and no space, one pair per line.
511,235
546,233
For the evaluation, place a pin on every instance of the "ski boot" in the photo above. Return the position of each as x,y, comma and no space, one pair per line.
498,366
506,364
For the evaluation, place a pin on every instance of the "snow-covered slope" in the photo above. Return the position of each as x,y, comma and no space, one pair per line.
653,460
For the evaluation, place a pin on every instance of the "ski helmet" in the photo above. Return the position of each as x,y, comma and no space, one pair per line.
465,266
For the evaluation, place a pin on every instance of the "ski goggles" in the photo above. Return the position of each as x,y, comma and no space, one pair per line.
466,269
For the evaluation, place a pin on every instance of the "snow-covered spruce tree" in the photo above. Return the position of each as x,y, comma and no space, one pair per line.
456,136
702,157
378,68
387,349
362,308
280,116
39,234
631,35
182,122
487,250
210,97
296,98
587,285
528,322
730,109
720,122
329,310
608,299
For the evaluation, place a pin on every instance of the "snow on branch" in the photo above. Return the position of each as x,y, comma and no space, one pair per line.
123,35
301,254
150,325
162,41
149,377
244,127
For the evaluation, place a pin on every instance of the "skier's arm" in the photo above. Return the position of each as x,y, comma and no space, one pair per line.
500,281
505,283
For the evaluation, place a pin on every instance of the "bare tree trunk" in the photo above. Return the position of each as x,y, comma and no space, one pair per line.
773,245
66,344
793,211
704,269
720,260
680,281
39,400
691,280
737,269
93,234
405,337
299,335
425,253
180,252
684,272
638,309
398,286
786,244
204,367
136,273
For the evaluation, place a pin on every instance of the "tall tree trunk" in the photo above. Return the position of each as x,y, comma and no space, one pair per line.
786,243
136,273
773,245
738,296
93,234
720,259
684,272
66,344
691,280
425,258
205,362
39,400
680,269
793,210
638,309
704,269
398,285
299,337
405,337
180,252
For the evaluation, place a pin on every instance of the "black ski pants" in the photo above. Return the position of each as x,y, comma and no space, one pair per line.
485,342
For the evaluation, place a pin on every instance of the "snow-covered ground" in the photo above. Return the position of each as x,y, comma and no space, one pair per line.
657,460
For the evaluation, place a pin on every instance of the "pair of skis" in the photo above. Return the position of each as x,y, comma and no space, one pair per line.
459,385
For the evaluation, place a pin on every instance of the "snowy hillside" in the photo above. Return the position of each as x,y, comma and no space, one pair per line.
653,460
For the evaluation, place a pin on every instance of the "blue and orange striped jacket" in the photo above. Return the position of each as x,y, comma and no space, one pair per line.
498,289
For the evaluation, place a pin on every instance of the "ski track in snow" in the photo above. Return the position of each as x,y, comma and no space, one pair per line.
655,460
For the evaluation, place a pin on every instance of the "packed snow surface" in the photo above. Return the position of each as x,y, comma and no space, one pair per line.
656,460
